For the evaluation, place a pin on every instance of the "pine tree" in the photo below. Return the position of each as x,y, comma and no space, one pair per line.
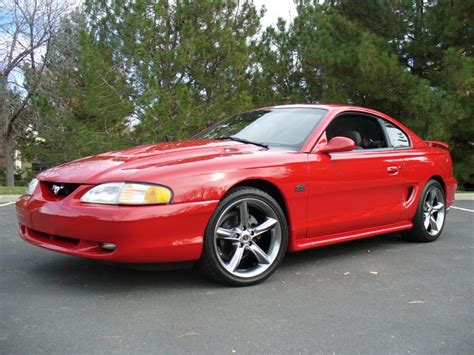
144,71
187,61
83,102
410,59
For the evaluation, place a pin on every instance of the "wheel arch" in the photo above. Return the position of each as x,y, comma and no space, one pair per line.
440,180
270,188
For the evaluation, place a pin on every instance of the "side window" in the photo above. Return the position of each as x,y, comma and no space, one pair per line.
397,137
365,131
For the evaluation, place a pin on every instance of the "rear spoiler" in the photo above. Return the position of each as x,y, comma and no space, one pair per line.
437,144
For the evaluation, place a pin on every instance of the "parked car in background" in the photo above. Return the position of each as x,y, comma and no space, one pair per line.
240,194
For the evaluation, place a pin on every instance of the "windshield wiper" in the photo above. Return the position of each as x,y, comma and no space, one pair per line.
242,140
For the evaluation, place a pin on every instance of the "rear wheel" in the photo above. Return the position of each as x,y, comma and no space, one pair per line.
430,215
246,238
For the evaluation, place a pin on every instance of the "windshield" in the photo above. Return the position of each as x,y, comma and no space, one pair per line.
279,127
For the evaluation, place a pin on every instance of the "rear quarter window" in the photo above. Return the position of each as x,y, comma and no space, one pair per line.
397,138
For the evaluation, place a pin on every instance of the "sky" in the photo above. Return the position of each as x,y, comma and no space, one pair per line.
276,8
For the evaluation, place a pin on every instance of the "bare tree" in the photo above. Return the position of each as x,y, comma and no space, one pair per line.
26,27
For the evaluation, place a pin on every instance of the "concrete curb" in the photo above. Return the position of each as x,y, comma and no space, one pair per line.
8,198
464,196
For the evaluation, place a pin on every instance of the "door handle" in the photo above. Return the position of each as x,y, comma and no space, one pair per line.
393,170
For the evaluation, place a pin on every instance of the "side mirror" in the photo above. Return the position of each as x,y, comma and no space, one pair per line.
337,144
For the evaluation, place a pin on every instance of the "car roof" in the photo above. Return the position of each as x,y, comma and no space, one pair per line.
322,106
335,107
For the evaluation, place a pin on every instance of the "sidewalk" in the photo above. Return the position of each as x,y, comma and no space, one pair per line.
462,196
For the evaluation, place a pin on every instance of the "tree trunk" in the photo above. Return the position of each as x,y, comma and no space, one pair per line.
8,151
418,40
7,145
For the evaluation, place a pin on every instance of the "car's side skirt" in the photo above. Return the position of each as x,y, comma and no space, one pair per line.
345,237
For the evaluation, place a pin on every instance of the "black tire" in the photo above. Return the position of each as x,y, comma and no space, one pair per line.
419,232
212,262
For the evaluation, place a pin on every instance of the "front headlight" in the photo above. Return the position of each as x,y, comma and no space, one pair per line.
126,193
32,186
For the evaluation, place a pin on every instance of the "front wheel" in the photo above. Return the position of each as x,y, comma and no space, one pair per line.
430,215
246,238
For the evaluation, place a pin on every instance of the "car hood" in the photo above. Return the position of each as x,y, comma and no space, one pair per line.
124,165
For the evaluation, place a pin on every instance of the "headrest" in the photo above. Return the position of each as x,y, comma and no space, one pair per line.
355,136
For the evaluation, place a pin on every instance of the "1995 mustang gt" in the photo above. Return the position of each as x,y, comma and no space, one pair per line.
245,191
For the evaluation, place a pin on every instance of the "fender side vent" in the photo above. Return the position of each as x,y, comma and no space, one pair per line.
411,189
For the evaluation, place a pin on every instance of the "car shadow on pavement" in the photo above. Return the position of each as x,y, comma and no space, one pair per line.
88,275
104,277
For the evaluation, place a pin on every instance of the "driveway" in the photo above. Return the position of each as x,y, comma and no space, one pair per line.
378,295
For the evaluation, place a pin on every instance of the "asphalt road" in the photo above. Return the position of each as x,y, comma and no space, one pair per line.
378,295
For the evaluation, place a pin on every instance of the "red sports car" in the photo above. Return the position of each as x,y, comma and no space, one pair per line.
245,191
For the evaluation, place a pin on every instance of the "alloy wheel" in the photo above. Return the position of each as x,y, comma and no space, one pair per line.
247,237
434,211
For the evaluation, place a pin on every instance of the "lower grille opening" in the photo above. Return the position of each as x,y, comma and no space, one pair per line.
63,241
66,243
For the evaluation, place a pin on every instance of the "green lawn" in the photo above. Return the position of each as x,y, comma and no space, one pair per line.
16,190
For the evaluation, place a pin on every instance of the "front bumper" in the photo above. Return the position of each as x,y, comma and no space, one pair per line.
142,234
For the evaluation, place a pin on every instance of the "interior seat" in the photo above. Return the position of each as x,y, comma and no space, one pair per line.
355,136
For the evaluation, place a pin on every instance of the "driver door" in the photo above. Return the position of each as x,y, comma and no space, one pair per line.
356,190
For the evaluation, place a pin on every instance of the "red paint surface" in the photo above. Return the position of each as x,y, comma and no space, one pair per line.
348,195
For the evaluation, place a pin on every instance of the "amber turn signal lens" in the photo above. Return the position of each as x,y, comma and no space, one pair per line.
157,194
144,194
